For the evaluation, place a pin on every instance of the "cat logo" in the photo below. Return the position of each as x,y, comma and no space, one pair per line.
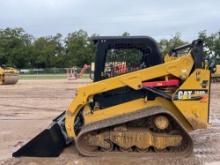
182,95
190,94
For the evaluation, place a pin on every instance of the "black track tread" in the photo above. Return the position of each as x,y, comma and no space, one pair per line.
126,118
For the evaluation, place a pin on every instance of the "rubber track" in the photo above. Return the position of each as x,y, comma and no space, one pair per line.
127,118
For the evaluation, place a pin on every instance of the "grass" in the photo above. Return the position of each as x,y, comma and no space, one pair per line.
46,76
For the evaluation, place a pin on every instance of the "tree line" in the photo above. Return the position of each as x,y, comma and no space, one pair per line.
22,50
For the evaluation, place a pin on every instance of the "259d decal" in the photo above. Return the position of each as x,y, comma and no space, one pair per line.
191,94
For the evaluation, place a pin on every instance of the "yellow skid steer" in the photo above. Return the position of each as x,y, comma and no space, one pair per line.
138,104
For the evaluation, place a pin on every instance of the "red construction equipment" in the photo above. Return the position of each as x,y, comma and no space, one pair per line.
72,73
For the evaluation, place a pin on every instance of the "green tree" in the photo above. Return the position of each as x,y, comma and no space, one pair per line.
212,42
168,44
125,34
48,52
79,49
15,47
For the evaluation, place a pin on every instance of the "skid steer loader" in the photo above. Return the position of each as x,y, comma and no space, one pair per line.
148,108
8,75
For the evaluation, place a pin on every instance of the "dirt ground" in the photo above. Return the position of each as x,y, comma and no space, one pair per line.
29,106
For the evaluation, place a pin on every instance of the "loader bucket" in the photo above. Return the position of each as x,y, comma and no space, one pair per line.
49,143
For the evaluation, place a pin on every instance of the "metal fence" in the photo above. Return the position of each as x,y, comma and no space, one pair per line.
43,71
50,73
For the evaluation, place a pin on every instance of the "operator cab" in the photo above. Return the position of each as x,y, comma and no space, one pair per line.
119,55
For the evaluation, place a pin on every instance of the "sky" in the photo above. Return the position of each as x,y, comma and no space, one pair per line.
156,18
